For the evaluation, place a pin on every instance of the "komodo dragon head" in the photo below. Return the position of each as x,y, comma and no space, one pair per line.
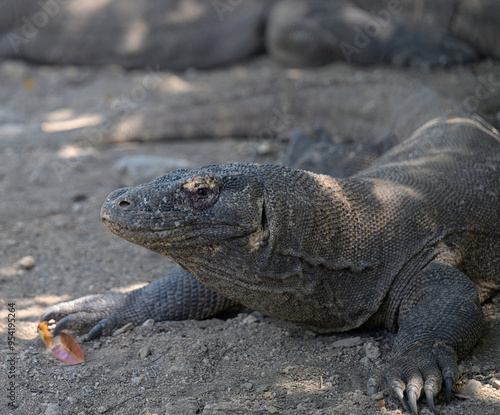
187,209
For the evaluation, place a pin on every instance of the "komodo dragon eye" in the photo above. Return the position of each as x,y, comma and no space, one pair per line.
202,192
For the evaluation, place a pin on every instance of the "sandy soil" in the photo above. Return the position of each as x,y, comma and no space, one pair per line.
53,182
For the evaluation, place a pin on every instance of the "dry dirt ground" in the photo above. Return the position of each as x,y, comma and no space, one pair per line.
53,181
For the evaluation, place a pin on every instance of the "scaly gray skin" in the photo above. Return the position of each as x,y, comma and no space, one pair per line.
410,244
178,34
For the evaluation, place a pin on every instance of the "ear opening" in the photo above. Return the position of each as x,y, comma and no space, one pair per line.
263,216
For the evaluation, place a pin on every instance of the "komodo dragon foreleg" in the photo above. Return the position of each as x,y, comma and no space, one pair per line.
176,296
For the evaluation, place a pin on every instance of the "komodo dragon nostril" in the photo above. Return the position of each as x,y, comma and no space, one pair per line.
124,203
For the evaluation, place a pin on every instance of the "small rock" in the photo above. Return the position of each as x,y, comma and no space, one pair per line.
372,351
247,386
495,383
137,380
471,390
257,314
250,319
77,207
123,329
357,397
349,342
476,369
144,352
148,323
26,262
273,409
264,148
52,409
365,361
16,70
377,396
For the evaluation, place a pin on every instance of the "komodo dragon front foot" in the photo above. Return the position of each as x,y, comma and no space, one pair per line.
98,313
177,296
439,323
420,369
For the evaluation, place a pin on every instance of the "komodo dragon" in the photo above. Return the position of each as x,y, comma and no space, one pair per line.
411,244
178,34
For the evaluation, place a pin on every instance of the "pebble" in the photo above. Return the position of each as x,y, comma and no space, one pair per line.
148,323
144,352
377,396
77,207
15,69
495,383
137,380
26,262
264,148
273,409
349,342
250,319
365,361
123,329
52,409
471,390
247,386
257,314
372,351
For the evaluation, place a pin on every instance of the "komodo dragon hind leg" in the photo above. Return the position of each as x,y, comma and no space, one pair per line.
440,321
177,296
